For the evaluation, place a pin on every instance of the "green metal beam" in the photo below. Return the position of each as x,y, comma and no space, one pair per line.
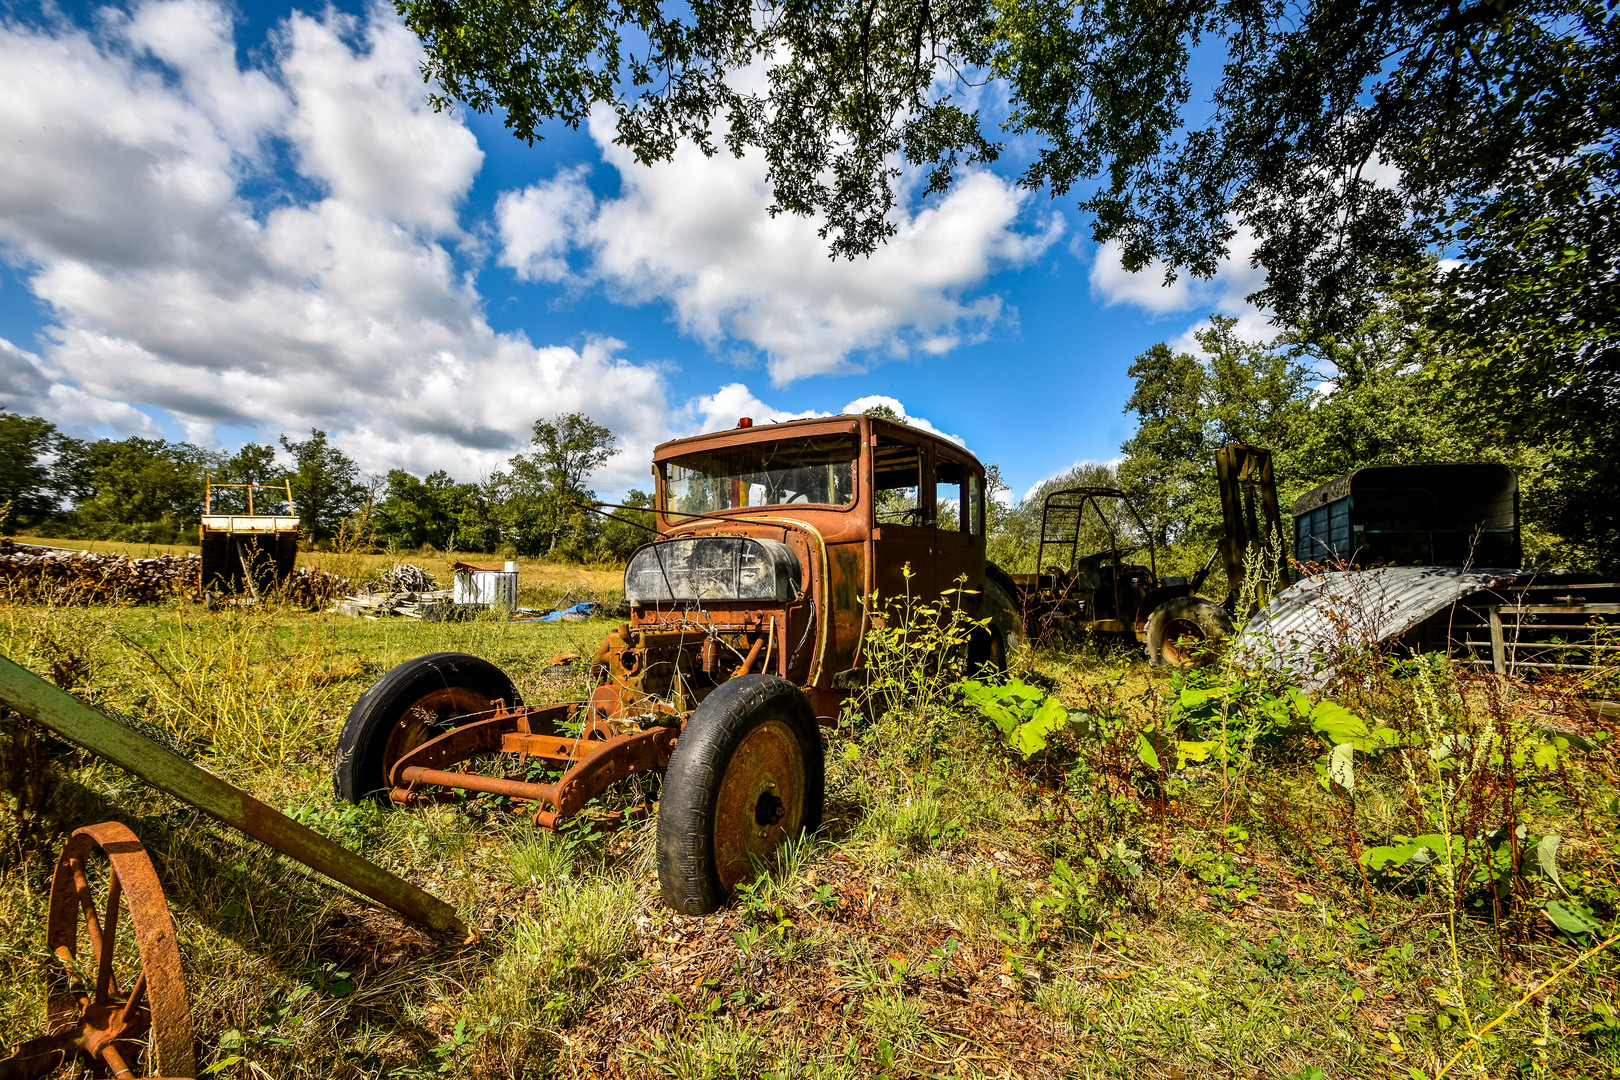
44,703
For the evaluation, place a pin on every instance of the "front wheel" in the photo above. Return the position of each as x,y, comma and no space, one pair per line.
1186,631
747,775
416,701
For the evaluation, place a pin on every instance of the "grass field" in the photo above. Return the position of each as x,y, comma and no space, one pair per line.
1164,892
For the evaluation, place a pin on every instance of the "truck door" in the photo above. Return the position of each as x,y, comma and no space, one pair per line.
903,531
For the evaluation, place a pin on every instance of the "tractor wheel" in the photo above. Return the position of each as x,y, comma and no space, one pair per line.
416,701
1186,631
746,776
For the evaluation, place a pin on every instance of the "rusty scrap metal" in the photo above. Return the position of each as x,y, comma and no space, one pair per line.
46,704
102,1014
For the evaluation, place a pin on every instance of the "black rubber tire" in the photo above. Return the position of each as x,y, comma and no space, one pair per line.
988,647
357,766
689,876
1186,617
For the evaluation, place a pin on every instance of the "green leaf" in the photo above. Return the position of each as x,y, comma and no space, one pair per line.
1145,750
1547,856
1193,751
1197,699
1544,756
1340,725
1572,919
1376,858
1341,766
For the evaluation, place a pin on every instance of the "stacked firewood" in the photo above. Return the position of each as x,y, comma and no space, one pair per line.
57,575
313,589
403,577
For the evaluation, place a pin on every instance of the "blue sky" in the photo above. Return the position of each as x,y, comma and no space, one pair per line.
223,223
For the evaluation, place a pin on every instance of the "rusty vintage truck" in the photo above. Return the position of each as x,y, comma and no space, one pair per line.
747,618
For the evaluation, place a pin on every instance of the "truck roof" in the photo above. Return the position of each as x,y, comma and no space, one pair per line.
1472,481
810,426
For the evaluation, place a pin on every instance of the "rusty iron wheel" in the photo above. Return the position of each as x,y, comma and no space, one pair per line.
121,1010
747,774
1186,631
414,702
760,803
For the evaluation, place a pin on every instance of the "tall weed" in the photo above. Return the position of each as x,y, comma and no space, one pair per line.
251,693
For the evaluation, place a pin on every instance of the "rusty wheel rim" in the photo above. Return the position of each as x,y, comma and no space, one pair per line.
1182,637
761,801
127,1018
430,716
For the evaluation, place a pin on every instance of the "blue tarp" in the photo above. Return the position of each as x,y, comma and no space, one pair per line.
584,611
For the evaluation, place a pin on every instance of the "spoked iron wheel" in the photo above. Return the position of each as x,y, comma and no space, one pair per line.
116,995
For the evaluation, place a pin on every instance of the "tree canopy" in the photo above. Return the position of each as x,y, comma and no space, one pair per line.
1456,159
1349,135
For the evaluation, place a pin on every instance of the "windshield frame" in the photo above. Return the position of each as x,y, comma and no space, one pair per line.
846,432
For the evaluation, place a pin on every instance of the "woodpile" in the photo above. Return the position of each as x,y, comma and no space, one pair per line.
403,589
61,576
313,589
404,577
65,576
430,605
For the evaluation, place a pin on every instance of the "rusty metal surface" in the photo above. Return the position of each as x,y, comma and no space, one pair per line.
46,704
760,803
1307,627
1249,512
103,1011
599,757
612,761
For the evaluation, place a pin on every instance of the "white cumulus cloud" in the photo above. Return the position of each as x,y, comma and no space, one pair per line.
124,196
281,243
1224,294
695,233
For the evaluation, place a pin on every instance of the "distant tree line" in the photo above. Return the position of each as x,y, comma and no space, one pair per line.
152,491
1387,394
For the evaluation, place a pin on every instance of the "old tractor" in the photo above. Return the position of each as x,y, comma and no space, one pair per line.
1104,591
747,616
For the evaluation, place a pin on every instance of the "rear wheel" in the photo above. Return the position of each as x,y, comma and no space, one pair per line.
416,701
1187,631
747,775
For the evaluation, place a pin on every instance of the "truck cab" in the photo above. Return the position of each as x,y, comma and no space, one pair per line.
780,534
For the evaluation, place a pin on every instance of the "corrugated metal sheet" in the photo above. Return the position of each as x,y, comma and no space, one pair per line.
1308,626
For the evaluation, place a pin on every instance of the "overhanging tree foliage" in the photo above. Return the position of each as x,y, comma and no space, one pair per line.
1462,153
1475,108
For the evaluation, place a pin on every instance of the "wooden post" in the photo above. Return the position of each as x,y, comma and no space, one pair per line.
1498,649
44,703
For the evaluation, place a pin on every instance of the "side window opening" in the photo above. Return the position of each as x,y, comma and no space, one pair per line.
897,483
950,498
975,514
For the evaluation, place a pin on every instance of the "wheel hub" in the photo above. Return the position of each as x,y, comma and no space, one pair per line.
1181,637
761,801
